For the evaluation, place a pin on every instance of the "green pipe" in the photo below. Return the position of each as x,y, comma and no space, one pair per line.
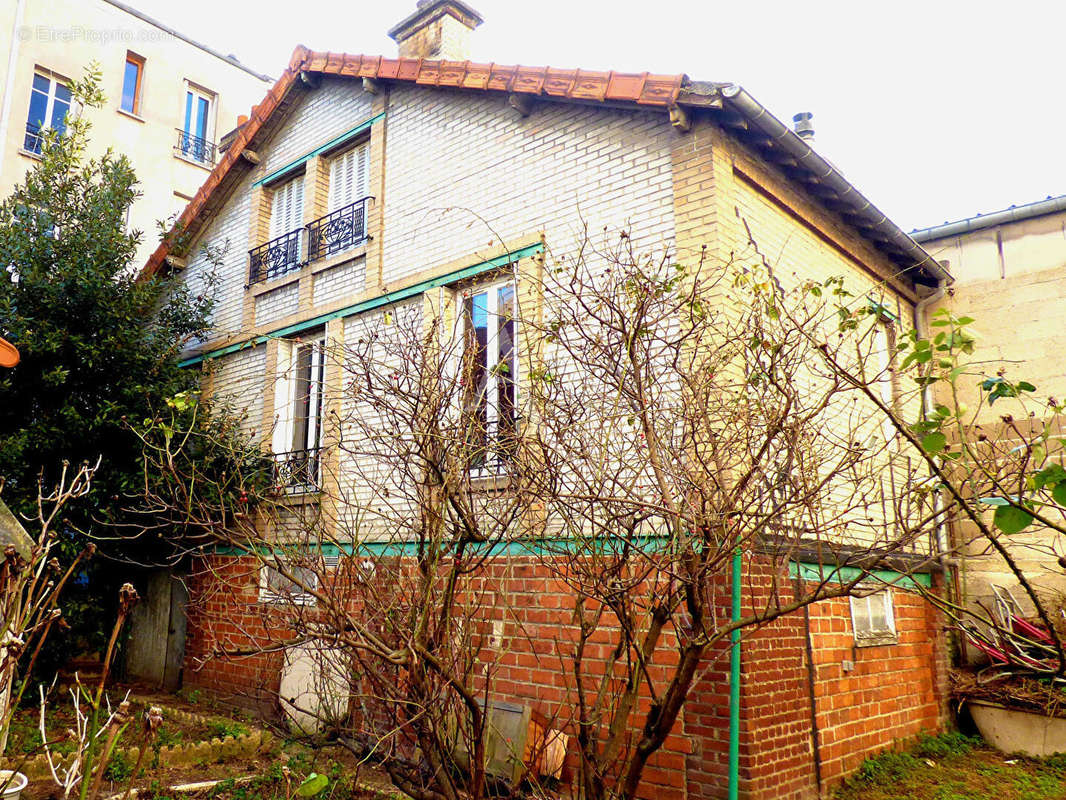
734,684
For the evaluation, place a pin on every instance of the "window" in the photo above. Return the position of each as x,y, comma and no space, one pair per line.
873,620
298,409
287,208
344,226
131,84
490,397
49,106
275,587
349,177
194,141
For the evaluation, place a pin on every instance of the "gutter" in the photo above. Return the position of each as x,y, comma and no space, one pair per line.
1012,214
738,99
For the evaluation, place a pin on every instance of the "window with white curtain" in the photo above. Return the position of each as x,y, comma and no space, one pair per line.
298,401
490,336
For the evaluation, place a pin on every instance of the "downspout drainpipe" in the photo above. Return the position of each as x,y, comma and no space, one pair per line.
734,681
922,328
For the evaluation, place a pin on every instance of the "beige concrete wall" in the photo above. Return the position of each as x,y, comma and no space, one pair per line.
1011,279
64,37
1004,251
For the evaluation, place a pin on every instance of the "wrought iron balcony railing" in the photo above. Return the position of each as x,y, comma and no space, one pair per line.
195,149
337,231
277,257
298,471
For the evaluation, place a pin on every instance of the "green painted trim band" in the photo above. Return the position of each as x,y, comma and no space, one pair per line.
372,303
540,546
816,572
344,137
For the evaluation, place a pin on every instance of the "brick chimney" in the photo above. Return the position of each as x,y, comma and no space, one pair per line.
438,29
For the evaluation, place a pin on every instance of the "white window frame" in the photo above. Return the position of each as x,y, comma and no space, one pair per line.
54,82
286,207
296,596
285,400
492,292
360,156
862,618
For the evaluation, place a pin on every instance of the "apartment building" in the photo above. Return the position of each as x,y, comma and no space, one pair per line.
169,98
366,188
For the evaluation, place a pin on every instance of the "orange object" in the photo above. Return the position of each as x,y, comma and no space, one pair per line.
9,356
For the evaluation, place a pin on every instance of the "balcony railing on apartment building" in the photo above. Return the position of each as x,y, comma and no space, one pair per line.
334,233
194,148
298,471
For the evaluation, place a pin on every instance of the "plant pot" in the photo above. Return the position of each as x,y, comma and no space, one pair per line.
1010,730
13,783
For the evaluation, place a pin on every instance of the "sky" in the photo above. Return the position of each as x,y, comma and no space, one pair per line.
935,110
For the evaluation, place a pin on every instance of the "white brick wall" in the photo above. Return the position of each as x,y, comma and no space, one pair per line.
464,171
277,303
239,381
228,230
336,106
346,280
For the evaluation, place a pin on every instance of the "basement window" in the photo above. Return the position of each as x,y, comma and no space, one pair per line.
873,619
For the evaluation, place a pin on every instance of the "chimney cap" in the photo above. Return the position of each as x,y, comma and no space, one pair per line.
803,126
425,8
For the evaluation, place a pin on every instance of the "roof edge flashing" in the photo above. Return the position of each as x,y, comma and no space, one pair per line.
1039,208
780,133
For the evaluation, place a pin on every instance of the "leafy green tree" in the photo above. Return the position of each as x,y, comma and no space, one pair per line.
98,345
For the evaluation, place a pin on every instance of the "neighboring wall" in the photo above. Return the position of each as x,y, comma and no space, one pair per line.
63,37
1011,278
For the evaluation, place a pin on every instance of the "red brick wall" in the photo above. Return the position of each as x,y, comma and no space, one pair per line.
225,616
775,721
893,692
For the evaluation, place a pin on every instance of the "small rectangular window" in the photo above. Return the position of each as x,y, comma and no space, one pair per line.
287,583
873,620
349,176
131,83
49,105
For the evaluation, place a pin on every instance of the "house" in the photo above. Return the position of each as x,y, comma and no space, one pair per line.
1008,269
169,98
366,183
